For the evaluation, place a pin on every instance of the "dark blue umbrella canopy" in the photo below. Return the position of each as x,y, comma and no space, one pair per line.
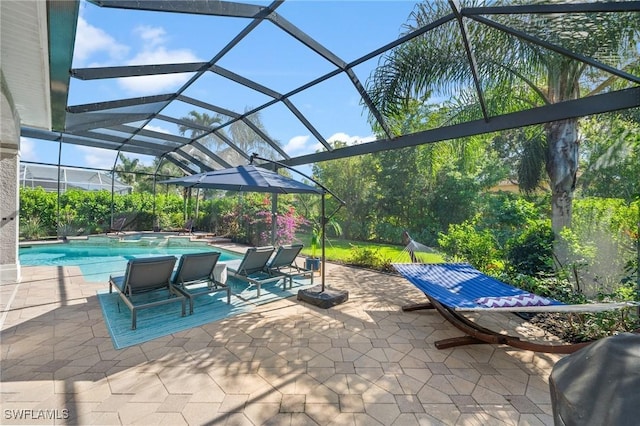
245,178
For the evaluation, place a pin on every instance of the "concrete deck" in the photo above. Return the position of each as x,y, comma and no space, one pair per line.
364,362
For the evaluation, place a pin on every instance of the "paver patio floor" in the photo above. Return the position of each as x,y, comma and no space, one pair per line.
364,362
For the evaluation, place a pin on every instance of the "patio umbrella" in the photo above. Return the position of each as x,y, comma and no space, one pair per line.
251,178
245,179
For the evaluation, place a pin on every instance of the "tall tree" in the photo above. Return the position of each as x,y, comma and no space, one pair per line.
611,157
126,170
515,74
350,179
246,138
198,122
238,132
199,119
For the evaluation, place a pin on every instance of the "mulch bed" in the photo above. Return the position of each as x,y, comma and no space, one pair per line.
556,324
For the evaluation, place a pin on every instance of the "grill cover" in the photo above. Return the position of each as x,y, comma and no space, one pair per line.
599,384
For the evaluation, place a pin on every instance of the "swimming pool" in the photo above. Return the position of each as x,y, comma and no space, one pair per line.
99,257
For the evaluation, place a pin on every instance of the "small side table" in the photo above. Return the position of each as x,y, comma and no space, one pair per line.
220,273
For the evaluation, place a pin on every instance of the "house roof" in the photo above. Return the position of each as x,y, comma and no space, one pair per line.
25,60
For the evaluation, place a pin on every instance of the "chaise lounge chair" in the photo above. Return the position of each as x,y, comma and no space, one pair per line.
252,268
453,288
187,228
195,277
283,263
147,283
117,225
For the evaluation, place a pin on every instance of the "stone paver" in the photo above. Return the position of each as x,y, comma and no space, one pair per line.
362,362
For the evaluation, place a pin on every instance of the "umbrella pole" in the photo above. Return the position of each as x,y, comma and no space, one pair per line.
197,204
324,223
325,298
274,212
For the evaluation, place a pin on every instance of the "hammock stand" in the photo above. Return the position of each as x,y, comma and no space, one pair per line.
455,288
475,334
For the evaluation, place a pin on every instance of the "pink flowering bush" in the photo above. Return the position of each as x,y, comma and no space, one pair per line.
287,224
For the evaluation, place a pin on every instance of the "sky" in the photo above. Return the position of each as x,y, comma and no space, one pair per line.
350,29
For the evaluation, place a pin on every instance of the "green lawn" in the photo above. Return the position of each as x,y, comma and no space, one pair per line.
340,250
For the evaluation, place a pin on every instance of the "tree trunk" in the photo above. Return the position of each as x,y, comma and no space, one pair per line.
562,166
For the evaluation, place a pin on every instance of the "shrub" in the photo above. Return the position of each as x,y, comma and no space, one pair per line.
531,252
548,286
579,326
506,214
286,226
465,243
601,246
31,228
84,210
388,233
369,257
38,210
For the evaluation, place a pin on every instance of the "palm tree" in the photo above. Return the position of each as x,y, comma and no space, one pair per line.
515,74
200,120
247,139
126,170
243,136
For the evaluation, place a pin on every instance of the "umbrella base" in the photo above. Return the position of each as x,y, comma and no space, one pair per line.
323,299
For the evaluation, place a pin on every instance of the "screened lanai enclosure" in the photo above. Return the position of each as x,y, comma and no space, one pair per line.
203,85
53,178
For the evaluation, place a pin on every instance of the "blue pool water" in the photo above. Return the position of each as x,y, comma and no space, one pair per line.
100,258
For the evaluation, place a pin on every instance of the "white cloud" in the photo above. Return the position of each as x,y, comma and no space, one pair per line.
152,36
297,144
157,83
91,40
97,157
27,150
350,140
157,129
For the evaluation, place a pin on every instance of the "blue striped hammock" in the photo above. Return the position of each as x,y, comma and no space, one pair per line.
460,287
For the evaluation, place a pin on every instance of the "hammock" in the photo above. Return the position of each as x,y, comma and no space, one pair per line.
453,288
460,287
